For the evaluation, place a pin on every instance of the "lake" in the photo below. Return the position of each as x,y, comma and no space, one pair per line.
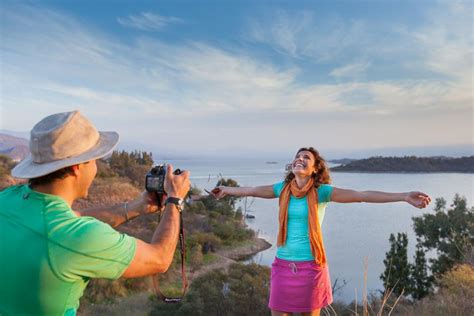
352,232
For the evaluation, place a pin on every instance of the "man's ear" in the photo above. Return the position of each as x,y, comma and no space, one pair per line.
75,169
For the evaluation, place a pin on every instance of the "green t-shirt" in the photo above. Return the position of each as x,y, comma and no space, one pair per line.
48,254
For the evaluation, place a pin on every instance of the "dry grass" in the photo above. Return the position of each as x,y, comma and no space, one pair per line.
108,191
7,180
454,297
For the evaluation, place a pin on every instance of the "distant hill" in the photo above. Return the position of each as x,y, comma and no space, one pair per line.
343,161
14,147
409,164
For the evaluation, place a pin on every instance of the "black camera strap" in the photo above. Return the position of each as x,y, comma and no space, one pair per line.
158,292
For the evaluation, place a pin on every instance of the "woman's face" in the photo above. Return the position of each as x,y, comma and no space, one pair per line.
303,164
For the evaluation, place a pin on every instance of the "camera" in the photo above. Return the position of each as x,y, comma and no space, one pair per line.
155,179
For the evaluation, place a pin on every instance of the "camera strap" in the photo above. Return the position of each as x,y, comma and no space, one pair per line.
158,292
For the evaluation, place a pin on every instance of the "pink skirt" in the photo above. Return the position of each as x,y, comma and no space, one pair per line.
299,286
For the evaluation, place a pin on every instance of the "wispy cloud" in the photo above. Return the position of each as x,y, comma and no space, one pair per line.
302,35
55,63
148,21
350,71
447,42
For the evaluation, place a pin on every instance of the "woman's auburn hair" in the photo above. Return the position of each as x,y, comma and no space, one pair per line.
321,176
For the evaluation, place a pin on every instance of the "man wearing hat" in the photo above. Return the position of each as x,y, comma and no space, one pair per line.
48,252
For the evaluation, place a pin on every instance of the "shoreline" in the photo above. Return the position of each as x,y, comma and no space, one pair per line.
244,252
226,257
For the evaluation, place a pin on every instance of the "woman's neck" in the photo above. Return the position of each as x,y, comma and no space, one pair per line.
301,181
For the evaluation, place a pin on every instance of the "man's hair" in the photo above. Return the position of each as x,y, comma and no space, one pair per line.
46,179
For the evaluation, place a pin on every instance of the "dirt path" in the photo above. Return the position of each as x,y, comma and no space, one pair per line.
226,257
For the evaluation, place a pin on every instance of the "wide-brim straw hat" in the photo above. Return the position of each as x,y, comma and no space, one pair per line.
62,140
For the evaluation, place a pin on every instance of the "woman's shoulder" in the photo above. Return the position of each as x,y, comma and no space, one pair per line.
325,186
278,187
280,184
324,192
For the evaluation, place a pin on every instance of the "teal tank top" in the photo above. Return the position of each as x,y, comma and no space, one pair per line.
297,247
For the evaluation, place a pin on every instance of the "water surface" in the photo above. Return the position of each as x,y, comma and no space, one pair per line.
352,232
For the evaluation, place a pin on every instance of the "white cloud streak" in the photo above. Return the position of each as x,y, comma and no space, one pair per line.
148,21
350,71
300,35
54,63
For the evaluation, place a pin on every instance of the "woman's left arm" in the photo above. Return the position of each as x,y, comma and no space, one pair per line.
415,198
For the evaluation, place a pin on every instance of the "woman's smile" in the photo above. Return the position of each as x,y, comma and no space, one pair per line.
303,164
299,164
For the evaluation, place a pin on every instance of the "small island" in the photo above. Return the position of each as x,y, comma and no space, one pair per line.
409,164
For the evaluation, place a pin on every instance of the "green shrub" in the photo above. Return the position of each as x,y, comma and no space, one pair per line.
243,290
5,165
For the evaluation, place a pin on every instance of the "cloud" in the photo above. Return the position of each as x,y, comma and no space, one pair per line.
285,33
447,42
147,21
147,87
83,66
350,71
301,34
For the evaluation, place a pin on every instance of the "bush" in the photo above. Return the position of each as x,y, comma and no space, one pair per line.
208,241
104,170
196,257
243,290
107,291
453,297
224,231
450,231
6,164
132,165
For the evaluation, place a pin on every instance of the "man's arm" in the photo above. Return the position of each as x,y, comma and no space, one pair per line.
156,257
118,214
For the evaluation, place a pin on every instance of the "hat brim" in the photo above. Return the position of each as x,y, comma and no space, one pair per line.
28,169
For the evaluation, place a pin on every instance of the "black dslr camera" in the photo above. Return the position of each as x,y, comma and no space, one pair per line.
155,181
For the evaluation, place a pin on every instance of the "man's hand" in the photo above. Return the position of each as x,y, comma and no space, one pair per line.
151,203
156,257
177,185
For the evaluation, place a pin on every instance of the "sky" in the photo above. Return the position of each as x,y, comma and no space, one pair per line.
246,78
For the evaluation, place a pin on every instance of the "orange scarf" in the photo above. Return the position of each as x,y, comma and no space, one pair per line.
315,234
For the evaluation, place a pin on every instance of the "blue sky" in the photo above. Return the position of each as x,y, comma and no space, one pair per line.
246,78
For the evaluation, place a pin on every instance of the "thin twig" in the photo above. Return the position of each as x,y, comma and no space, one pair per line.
396,301
365,310
385,298
332,309
355,302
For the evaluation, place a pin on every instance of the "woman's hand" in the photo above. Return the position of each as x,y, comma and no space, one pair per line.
219,192
418,199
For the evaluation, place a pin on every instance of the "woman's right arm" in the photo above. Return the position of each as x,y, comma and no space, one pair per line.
265,191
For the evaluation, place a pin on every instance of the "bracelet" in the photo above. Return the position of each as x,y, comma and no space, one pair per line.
126,212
